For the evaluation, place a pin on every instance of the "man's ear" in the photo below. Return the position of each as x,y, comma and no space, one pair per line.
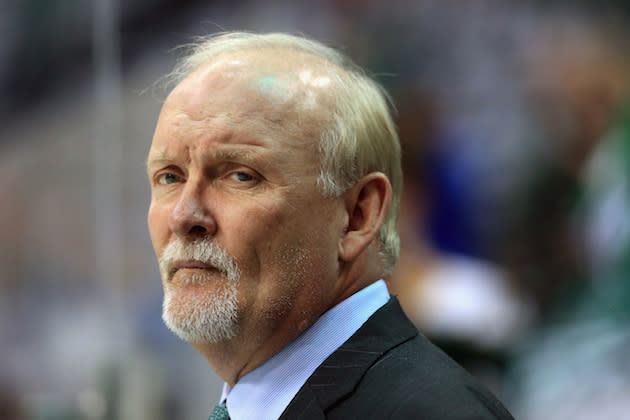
367,204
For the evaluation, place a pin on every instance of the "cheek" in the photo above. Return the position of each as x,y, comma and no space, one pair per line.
264,220
157,220
259,237
286,236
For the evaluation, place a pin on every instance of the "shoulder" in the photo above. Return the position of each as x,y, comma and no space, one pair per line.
416,379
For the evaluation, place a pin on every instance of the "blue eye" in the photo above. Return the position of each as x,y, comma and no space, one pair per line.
243,176
168,178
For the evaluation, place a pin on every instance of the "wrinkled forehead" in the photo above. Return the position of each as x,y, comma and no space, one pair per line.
277,84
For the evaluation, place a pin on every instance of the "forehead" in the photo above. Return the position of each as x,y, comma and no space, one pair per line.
285,88
254,98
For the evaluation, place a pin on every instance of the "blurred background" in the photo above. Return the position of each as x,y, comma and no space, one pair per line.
515,122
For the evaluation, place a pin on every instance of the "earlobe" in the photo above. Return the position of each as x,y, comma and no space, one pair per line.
367,204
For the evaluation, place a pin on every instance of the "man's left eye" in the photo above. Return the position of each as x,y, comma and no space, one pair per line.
242,176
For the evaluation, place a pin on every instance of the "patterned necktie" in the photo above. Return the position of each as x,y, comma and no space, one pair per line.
220,412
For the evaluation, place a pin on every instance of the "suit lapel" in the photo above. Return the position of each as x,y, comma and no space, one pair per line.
338,376
303,406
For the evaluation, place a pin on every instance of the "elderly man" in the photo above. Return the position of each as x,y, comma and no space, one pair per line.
275,178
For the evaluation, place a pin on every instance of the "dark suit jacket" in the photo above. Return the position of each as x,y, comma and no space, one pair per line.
387,370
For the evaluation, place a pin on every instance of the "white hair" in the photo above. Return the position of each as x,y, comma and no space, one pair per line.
361,137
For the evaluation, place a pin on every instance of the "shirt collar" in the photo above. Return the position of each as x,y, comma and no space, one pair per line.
265,392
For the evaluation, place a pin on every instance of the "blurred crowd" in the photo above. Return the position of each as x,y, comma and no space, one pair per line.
515,227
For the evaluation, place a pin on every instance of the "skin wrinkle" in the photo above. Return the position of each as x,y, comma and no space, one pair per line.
226,138
161,159
257,120
283,114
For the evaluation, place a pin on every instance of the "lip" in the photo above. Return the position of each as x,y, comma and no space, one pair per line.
191,264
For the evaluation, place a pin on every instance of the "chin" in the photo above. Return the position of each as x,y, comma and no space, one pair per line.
203,317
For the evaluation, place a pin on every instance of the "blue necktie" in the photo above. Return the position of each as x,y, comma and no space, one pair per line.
220,412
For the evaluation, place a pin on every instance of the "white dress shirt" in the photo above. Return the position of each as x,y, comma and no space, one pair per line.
265,392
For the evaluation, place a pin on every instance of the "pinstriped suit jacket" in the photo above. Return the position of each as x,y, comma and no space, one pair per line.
387,370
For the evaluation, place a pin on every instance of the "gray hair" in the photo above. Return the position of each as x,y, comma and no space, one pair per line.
361,137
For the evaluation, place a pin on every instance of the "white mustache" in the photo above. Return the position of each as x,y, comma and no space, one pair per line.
203,250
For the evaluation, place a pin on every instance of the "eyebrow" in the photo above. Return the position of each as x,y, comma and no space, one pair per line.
232,154
161,159
157,158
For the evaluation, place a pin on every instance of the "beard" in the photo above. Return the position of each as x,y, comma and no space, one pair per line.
210,314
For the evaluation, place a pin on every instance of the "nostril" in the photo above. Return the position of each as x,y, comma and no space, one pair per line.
197,230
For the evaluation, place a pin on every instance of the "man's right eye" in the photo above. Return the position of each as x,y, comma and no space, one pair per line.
168,178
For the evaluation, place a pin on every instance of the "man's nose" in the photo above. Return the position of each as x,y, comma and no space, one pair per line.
190,217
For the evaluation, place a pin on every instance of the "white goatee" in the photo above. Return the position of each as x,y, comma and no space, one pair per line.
207,316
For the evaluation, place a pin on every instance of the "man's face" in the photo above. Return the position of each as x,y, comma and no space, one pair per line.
246,242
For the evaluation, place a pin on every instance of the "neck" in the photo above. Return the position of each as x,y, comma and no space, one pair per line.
259,340
360,273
